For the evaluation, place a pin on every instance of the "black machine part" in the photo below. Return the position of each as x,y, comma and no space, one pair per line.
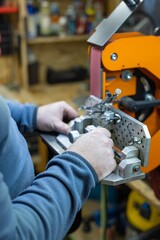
143,102
131,3
131,105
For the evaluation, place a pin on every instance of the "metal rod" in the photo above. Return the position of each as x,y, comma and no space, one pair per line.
103,211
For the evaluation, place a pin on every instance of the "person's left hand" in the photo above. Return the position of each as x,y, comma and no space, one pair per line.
55,116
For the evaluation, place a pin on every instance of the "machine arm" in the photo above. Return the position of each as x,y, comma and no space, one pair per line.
108,26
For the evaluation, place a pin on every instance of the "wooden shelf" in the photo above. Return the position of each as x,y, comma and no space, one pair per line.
8,10
57,39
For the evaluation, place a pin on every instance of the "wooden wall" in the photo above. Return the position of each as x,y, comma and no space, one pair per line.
67,54
9,70
59,55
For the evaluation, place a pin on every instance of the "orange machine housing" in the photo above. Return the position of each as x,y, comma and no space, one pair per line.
134,52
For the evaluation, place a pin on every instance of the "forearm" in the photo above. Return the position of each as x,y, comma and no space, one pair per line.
47,209
23,114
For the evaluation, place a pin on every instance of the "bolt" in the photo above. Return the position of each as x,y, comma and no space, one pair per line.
127,75
117,118
114,56
136,168
118,91
135,140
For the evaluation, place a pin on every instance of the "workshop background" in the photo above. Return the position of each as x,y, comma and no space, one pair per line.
44,58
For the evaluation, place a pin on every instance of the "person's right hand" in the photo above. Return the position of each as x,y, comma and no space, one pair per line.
97,148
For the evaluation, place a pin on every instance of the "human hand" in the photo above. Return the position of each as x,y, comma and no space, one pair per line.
55,116
97,148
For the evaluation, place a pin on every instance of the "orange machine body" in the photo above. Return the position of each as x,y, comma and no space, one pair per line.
134,52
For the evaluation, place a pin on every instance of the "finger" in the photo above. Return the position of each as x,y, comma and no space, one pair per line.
70,113
111,142
108,133
62,127
104,130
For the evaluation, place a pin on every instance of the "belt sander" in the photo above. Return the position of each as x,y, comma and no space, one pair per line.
124,96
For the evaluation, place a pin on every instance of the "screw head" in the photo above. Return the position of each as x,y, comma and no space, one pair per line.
114,56
136,168
127,75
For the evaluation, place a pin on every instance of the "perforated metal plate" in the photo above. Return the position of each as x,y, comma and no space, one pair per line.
128,131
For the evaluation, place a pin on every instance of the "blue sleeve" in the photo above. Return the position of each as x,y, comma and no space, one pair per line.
23,114
7,221
15,161
47,209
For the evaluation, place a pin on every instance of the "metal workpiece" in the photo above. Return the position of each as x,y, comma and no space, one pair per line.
125,130
109,117
73,136
129,132
115,179
129,167
131,138
64,142
81,123
108,26
101,106
128,170
115,95
129,152
111,98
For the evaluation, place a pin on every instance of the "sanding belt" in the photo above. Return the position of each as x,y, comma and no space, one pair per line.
95,71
